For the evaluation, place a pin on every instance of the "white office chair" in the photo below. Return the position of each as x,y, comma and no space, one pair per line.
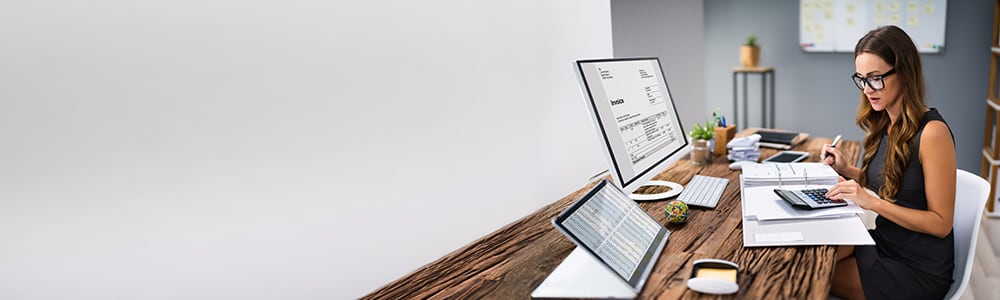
971,193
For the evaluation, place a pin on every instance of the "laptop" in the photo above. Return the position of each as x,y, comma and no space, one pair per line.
617,245
780,139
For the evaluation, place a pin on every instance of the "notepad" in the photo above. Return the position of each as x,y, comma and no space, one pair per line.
714,276
729,275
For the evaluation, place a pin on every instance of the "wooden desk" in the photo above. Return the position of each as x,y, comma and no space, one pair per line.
510,262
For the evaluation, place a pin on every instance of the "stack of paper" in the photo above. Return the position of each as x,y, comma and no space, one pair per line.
745,148
782,174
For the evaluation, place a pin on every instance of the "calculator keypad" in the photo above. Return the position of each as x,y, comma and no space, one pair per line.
819,196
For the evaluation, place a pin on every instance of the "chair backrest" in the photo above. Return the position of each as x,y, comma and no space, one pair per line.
971,193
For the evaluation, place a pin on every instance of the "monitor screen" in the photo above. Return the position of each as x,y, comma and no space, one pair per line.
635,117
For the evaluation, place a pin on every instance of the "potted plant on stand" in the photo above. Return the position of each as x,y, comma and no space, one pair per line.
750,52
701,137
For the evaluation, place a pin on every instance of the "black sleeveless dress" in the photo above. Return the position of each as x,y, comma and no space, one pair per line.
905,264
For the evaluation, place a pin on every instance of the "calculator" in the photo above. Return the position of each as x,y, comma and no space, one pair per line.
809,198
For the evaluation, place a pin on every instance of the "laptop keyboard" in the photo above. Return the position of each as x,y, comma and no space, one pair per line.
777,136
703,191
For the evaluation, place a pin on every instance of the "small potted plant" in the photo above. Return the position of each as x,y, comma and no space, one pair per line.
750,52
701,136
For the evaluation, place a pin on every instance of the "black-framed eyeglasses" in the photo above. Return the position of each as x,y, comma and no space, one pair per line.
876,82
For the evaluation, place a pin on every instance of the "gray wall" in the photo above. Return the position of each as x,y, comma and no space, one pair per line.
674,32
814,93
223,149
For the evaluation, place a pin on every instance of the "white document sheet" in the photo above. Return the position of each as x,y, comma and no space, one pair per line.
763,204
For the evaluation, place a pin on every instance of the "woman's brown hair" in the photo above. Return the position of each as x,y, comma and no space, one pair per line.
894,46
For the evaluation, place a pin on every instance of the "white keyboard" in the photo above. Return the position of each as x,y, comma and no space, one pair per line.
703,191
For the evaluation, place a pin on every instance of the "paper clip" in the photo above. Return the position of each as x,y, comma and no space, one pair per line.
805,174
776,167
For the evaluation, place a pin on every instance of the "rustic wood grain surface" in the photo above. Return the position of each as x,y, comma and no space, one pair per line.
510,262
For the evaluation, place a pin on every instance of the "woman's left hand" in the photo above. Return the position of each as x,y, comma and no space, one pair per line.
850,189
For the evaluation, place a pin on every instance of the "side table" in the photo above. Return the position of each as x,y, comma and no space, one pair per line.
766,76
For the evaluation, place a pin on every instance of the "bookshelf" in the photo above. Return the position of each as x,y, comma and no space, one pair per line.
991,135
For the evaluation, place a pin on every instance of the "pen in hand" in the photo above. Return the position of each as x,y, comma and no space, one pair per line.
836,140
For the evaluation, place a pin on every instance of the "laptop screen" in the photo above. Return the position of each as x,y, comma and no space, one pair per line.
615,230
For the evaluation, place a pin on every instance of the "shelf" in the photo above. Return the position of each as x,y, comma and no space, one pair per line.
990,160
991,137
992,103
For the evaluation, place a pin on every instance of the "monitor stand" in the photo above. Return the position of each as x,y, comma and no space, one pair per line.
581,275
675,189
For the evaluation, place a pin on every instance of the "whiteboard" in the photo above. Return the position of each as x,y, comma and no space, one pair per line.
837,25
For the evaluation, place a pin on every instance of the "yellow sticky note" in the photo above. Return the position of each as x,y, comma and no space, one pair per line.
729,275
894,18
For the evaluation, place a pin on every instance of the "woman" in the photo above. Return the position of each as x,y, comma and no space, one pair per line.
909,163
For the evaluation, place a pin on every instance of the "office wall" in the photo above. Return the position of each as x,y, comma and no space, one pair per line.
278,150
673,31
814,92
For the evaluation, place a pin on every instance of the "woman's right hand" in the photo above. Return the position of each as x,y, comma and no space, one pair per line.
850,189
833,158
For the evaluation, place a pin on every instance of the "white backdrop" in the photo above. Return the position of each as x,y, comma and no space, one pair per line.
228,149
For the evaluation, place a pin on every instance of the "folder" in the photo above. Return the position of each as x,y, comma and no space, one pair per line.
780,174
765,226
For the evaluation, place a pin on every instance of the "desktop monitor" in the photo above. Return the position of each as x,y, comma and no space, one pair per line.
636,119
